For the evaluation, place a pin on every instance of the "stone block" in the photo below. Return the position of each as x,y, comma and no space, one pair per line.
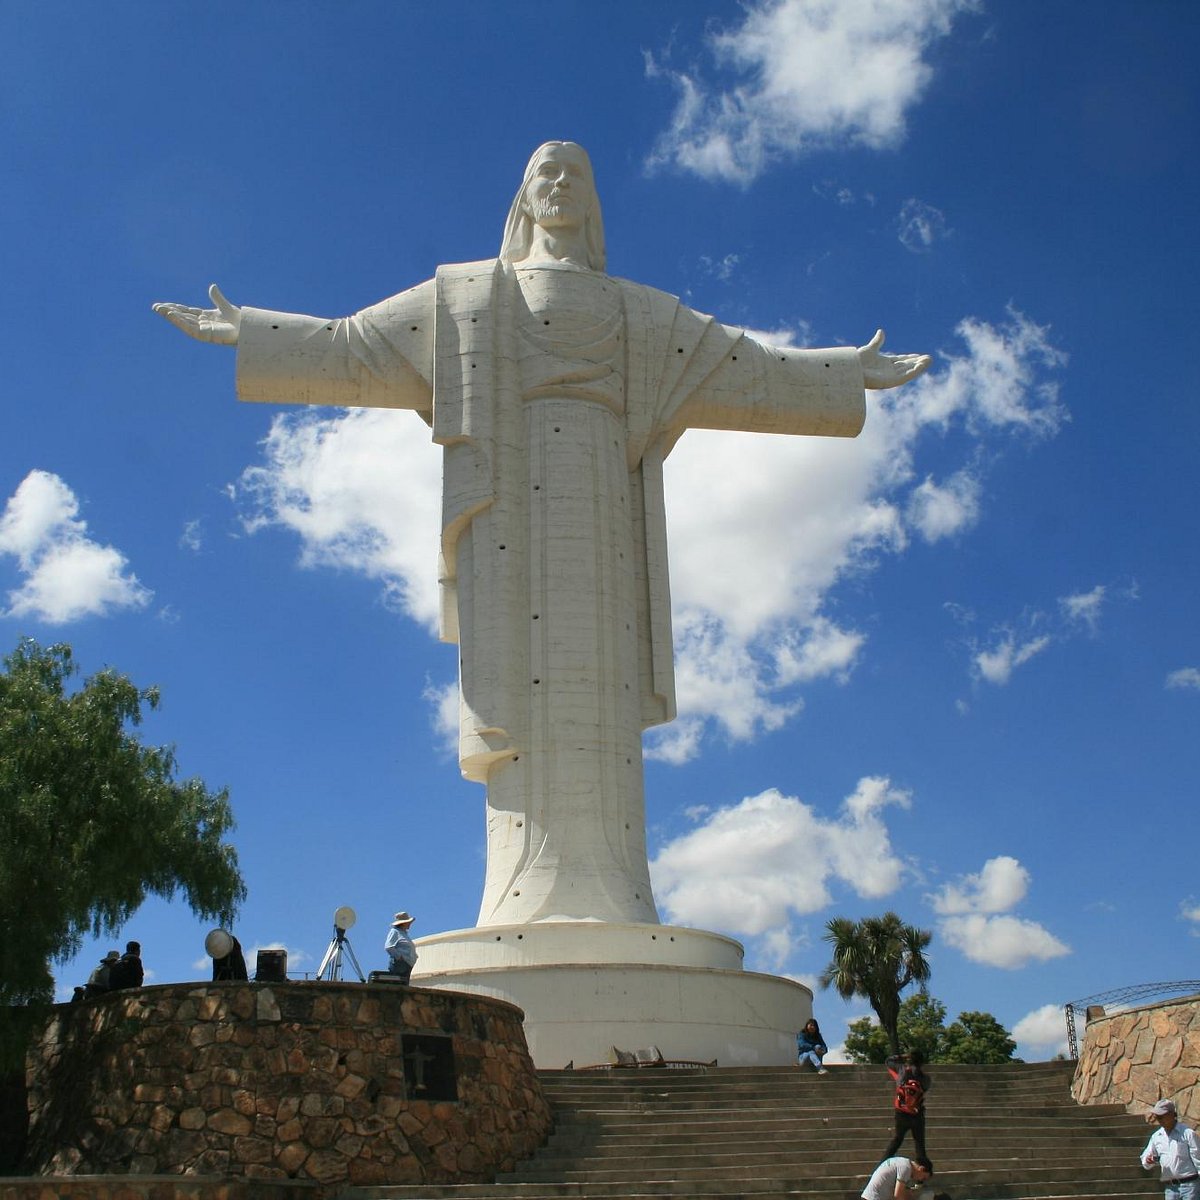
317,1104
251,1150
212,1162
242,1003
211,1007
291,1158
351,1086
320,1132
161,1118
366,1172
290,1131
229,1122
326,1166
202,1035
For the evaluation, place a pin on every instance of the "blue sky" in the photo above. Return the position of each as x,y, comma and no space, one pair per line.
950,668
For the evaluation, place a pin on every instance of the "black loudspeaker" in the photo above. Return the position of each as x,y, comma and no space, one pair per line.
271,966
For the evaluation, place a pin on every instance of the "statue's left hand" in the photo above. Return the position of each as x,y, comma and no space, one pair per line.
889,370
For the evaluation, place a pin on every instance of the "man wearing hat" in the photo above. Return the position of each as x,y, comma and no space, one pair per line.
1174,1148
402,954
99,980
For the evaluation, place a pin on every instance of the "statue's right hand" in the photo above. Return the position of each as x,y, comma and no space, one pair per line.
220,324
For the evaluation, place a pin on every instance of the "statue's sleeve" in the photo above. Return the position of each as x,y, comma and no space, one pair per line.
382,357
767,389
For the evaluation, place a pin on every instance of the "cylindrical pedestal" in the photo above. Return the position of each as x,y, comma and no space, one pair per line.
589,986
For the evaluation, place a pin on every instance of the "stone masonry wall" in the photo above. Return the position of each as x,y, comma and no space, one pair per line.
301,1081
1145,1054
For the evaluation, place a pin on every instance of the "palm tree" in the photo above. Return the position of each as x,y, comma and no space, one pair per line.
876,958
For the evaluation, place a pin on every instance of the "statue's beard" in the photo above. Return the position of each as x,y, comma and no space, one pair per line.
552,211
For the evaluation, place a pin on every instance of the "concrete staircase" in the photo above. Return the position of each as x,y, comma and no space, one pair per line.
727,1133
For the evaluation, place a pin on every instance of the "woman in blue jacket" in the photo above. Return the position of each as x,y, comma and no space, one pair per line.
810,1047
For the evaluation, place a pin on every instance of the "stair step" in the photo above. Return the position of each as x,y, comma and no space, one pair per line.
741,1133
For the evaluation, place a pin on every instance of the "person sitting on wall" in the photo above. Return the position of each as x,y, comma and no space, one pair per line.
127,971
402,954
100,980
810,1047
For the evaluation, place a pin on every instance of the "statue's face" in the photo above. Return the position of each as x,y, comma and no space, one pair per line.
560,191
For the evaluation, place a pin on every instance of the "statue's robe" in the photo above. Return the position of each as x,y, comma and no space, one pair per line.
556,394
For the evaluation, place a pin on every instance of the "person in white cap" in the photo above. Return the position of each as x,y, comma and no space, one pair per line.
1174,1148
402,954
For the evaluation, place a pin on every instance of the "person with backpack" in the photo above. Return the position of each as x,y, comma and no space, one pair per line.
909,1104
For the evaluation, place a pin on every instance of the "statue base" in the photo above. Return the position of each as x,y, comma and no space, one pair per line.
589,986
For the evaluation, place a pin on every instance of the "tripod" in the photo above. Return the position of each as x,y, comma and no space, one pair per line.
332,962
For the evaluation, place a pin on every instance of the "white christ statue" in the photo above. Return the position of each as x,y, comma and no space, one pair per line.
555,391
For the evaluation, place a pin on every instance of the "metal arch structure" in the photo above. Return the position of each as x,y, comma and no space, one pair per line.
1123,996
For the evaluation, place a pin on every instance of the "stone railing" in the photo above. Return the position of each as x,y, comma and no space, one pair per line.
1142,1055
333,1083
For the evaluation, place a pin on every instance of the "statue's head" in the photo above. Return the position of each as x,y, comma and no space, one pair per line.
558,190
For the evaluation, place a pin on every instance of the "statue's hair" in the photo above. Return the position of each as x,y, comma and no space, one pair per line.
518,229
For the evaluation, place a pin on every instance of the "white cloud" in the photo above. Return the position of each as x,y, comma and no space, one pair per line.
362,489
972,920
1189,910
443,702
722,268
837,1056
1185,677
997,665
825,650
192,537
775,947
750,866
1001,941
920,225
1084,607
67,575
802,75
1043,1031
939,511
1001,885
998,383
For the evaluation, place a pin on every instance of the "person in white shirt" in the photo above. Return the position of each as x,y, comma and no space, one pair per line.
1174,1148
898,1178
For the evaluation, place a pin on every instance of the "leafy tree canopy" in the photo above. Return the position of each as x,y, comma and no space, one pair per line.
91,820
977,1037
974,1038
921,1025
876,958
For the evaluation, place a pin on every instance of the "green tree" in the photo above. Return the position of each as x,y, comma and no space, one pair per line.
876,958
91,820
976,1037
920,1025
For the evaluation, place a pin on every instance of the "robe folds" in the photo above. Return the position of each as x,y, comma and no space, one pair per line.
556,688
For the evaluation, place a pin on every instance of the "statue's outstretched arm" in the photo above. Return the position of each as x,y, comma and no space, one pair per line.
220,324
889,370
